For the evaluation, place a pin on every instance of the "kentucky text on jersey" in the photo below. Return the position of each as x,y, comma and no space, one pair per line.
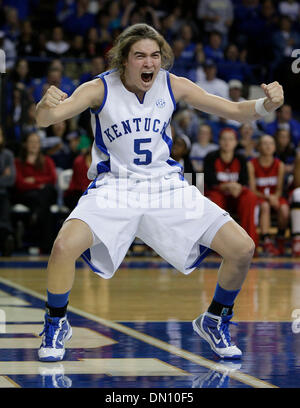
132,134
135,125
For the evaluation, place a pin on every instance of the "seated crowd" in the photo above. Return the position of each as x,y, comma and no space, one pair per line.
251,170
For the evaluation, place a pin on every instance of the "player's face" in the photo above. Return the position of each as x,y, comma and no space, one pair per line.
228,142
267,146
33,144
142,65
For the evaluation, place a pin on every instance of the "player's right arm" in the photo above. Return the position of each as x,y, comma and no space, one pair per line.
55,106
252,180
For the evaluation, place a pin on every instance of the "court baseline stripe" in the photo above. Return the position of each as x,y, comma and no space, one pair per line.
236,375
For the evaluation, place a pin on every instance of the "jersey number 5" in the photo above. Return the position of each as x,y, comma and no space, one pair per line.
147,153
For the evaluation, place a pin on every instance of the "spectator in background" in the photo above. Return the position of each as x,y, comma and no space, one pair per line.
7,179
216,16
9,47
211,83
78,19
235,88
57,46
180,153
93,46
214,49
104,35
17,114
284,120
262,43
285,40
35,188
189,52
202,147
247,142
28,124
2,14
39,68
75,68
20,74
235,66
64,9
167,27
97,67
186,122
79,181
226,180
12,26
57,148
27,40
290,8
19,78
139,13
23,7
246,17
179,68
266,176
54,77
295,209
114,15
286,153
77,49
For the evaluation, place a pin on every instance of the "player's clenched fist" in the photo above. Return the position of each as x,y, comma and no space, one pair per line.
274,93
53,97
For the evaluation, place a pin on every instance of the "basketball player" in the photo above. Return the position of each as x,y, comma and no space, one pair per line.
131,108
295,209
266,175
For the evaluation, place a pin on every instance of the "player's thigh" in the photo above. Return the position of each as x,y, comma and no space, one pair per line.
73,239
232,242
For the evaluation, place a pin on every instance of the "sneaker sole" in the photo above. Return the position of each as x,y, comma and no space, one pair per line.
50,359
202,334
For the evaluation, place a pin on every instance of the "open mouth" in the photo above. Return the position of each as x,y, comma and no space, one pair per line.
147,76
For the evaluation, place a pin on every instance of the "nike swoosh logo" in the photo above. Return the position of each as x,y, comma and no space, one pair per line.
215,340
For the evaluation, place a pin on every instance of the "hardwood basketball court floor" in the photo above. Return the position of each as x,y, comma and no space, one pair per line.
134,330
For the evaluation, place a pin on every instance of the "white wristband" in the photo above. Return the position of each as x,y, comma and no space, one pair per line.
259,107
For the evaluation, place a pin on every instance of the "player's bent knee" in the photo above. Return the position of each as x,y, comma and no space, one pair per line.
247,249
243,252
63,249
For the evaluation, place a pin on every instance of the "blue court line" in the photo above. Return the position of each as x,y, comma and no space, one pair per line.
138,264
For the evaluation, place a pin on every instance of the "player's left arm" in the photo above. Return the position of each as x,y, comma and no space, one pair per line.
280,180
187,91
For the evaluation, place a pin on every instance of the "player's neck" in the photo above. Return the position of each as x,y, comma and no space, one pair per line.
227,157
266,160
133,88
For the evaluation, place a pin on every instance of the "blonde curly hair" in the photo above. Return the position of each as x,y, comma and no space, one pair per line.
118,54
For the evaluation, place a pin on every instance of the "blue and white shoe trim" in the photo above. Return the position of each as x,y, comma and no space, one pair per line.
215,330
57,331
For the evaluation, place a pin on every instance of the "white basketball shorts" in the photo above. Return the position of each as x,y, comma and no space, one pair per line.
166,213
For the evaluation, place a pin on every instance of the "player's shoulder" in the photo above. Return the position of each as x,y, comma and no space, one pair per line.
178,85
94,90
211,156
240,157
253,161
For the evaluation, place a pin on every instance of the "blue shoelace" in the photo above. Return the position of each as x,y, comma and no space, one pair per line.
49,331
224,327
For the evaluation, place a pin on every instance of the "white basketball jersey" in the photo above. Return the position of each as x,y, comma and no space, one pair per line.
133,137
